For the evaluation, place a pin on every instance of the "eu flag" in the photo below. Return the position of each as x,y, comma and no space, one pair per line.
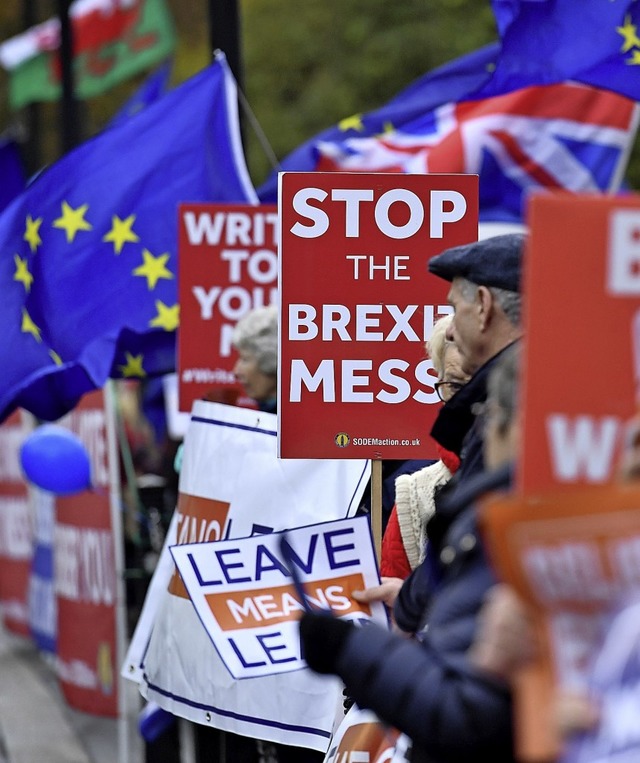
153,87
88,265
595,42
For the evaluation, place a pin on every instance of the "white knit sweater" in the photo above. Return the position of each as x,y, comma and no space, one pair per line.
415,504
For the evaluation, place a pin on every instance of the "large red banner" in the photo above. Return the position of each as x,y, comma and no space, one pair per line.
582,346
228,266
358,304
85,575
16,527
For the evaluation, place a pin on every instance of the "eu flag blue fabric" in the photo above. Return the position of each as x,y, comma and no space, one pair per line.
153,87
595,42
88,266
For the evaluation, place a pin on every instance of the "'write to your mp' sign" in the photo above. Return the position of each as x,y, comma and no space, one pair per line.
228,266
357,305
245,597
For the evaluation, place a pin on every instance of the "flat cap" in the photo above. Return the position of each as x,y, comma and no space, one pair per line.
494,261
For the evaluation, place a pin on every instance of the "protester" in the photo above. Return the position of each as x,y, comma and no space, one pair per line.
506,640
428,687
255,337
404,540
485,283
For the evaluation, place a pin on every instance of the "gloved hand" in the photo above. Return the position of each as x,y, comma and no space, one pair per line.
322,637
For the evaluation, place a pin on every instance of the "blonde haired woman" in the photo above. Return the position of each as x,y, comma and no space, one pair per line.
404,541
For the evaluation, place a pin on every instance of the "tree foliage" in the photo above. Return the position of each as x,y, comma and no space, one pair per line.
308,65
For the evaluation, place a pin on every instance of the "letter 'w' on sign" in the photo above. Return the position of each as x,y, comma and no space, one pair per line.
583,448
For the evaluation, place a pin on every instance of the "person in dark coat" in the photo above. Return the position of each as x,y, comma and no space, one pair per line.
428,687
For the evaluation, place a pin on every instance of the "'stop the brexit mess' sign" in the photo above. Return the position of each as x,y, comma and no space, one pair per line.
358,304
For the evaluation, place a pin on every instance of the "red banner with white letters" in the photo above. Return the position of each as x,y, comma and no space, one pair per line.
85,574
582,326
358,304
228,266
16,527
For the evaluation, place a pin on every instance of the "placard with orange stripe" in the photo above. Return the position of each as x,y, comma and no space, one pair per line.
245,598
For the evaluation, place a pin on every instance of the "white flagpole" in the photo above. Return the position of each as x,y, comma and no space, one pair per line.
118,545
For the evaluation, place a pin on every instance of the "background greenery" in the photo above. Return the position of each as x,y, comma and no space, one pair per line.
306,64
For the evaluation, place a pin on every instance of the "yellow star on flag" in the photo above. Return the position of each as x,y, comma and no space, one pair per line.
32,232
28,326
351,123
22,273
55,357
167,317
634,60
629,33
72,220
121,232
133,366
153,268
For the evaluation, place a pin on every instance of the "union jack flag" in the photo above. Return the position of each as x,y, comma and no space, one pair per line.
564,136
557,136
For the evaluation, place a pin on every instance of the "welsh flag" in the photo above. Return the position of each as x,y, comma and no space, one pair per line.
113,40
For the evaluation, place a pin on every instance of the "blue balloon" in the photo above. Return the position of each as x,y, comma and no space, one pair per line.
55,459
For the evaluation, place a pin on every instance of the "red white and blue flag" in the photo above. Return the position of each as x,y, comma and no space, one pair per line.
554,137
557,136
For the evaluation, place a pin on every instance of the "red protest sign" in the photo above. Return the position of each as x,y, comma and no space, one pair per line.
582,347
227,266
86,574
357,305
16,527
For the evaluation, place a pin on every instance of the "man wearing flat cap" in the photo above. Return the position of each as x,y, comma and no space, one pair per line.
485,295
432,687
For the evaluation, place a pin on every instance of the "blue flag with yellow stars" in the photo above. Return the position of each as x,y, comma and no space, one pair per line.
88,264
596,42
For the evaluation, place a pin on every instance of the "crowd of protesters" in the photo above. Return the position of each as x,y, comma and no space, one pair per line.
442,674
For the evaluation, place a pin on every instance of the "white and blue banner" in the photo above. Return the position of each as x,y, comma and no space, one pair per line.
232,485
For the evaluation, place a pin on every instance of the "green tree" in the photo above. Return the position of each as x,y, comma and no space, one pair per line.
309,65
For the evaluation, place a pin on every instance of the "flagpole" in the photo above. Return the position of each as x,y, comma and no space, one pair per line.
32,155
70,118
224,35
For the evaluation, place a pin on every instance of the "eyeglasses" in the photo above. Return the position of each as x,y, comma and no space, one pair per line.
447,389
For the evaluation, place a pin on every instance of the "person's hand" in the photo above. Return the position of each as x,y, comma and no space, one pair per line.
505,639
574,713
322,637
386,592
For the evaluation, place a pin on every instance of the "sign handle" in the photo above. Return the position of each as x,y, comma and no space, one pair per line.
376,506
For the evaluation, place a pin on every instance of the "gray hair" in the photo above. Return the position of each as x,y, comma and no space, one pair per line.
257,333
438,343
510,301
502,387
